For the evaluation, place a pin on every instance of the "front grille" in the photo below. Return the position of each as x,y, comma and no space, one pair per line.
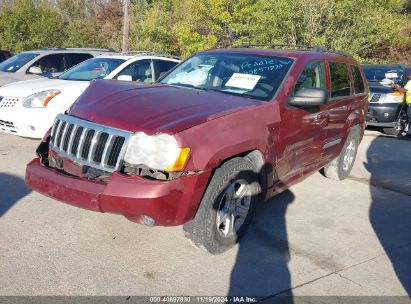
8,102
88,143
375,97
7,126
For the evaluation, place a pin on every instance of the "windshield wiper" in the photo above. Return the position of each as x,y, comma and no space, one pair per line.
187,85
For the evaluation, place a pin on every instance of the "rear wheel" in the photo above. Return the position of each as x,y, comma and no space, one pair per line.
227,207
340,168
400,126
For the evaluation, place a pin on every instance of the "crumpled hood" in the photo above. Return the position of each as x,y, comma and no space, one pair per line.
28,87
153,108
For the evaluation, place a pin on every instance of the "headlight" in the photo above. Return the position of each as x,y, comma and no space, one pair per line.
160,152
40,99
396,97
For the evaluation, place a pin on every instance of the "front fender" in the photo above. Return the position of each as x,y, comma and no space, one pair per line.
215,141
357,117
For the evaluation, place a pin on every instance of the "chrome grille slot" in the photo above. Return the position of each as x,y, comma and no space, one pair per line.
60,133
88,143
113,156
102,140
76,140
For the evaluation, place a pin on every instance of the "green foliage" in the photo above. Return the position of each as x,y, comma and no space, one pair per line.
182,27
352,26
80,24
25,26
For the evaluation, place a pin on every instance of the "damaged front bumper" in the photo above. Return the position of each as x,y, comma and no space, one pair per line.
168,203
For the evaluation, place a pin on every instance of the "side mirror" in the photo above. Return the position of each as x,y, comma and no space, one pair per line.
309,97
35,70
125,78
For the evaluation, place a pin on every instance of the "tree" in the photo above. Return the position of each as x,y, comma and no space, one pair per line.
24,26
80,23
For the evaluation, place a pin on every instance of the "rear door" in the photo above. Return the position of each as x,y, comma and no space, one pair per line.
140,71
163,66
339,107
76,58
302,130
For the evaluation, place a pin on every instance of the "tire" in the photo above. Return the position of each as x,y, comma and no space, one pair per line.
227,207
400,127
340,168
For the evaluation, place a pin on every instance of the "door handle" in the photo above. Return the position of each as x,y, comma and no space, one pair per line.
321,118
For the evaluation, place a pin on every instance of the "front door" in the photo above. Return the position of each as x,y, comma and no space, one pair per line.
303,129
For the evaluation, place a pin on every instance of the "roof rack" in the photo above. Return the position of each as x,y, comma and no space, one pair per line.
296,47
147,53
75,49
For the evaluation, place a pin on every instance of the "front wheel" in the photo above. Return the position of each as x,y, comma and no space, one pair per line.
227,207
399,128
340,168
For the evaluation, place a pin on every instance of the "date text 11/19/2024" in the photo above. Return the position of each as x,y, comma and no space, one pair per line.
202,299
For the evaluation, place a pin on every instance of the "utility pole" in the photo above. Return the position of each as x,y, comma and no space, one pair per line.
126,25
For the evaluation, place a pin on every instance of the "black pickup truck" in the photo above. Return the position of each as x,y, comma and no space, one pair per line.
387,108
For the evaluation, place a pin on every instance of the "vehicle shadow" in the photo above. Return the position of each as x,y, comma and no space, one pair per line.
12,189
389,162
261,267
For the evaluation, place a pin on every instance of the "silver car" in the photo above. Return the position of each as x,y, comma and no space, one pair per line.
44,62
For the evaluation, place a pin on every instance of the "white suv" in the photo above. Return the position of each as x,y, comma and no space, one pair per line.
46,62
28,108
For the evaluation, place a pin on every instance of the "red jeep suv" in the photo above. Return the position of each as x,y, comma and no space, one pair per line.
223,130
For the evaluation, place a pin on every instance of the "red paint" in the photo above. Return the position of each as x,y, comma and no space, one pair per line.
216,127
170,203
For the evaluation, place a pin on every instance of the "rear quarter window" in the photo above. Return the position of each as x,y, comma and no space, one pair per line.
340,80
359,86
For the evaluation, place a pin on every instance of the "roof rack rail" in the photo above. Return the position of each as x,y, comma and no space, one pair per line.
75,49
316,48
92,49
147,53
290,46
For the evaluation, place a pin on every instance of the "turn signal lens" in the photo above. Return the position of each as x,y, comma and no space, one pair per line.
180,161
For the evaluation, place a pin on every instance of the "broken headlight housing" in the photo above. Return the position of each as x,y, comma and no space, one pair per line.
160,152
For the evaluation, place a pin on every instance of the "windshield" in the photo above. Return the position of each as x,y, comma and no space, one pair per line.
378,73
14,63
248,75
95,68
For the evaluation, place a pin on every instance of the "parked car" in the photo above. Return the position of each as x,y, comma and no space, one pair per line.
45,62
224,129
28,108
387,108
4,55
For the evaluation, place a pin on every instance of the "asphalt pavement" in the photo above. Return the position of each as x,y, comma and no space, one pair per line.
321,237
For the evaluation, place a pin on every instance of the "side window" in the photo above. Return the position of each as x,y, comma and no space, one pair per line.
340,80
54,63
359,86
76,58
140,71
313,76
2,57
163,66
